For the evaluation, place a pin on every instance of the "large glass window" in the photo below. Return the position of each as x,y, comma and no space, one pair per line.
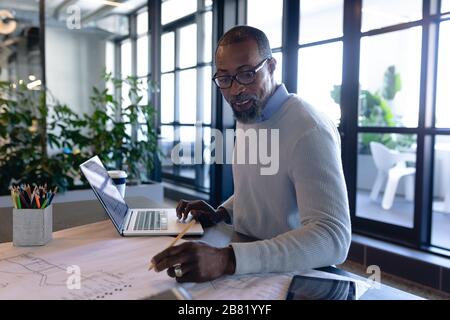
443,92
382,13
441,193
390,79
186,59
395,92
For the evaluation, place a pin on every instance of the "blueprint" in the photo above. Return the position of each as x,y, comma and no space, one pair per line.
89,265
94,263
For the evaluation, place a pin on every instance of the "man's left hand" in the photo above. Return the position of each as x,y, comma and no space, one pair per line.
198,262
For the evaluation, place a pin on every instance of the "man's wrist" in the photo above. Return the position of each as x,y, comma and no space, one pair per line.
223,214
230,260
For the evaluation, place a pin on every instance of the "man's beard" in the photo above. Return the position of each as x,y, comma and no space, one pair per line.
252,114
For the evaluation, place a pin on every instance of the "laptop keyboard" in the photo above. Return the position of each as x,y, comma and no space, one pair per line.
151,220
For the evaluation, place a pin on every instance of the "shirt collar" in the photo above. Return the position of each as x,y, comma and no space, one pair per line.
274,103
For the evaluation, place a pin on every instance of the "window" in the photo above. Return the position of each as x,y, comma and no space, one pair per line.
167,97
134,61
389,96
267,15
395,133
319,72
320,64
382,13
142,23
176,9
443,93
320,20
188,96
186,58
445,6
390,79
441,162
188,51
125,61
441,193
168,48
142,56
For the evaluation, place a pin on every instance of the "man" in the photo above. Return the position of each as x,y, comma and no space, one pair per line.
300,213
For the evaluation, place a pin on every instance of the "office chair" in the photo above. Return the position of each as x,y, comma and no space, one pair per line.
391,166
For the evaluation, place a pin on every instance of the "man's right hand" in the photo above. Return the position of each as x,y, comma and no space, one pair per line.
201,211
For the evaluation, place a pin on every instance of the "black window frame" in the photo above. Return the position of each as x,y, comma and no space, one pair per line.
420,235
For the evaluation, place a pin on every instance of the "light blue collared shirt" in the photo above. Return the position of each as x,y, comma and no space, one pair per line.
274,103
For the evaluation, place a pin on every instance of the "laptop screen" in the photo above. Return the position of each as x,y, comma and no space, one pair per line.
105,190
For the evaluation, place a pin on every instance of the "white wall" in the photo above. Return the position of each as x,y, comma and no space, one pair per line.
74,63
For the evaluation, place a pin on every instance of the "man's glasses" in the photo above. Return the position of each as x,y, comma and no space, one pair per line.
244,77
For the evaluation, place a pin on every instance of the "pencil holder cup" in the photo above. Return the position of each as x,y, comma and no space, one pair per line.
32,227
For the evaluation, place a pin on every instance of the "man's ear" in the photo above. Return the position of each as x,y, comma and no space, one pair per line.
272,65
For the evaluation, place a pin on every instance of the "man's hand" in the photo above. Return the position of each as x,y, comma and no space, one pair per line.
199,261
202,212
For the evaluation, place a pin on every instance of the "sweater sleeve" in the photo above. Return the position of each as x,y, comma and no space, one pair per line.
324,236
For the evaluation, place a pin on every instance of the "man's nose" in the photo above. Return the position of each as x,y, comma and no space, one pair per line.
236,88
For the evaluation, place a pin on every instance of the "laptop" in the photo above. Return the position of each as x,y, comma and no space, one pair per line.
131,222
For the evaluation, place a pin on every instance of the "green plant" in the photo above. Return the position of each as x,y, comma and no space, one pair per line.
24,134
47,147
115,128
375,110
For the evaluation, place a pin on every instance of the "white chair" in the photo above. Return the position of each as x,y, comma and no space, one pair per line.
391,166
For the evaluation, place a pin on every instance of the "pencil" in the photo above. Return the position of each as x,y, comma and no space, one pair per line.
19,205
182,233
45,203
22,199
13,197
38,203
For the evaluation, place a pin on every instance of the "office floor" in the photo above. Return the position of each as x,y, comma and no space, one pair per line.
397,282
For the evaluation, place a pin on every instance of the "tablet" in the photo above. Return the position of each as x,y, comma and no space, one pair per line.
311,288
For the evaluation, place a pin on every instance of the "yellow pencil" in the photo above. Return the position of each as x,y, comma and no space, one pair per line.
13,198
190,224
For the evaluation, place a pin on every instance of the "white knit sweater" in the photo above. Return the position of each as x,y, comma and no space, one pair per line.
301,214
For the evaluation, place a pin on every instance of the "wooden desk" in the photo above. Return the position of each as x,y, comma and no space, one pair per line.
114,267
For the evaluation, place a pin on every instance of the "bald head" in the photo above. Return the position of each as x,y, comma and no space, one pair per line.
245,33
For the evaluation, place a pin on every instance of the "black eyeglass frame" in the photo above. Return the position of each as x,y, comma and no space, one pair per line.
255,70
